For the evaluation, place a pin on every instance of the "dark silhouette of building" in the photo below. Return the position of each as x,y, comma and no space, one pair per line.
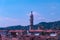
31,20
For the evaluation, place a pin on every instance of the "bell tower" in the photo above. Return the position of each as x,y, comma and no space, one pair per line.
31,20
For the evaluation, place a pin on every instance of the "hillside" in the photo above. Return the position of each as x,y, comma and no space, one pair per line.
42,25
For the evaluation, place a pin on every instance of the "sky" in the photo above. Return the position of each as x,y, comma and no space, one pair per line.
17,12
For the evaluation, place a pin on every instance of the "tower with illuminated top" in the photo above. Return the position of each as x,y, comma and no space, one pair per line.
31,20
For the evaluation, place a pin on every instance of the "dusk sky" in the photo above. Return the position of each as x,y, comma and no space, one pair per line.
17,12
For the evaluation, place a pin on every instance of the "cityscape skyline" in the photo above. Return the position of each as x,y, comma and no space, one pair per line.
17,12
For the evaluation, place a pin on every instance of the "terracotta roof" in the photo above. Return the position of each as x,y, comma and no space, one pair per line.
16,31
48,30
36,30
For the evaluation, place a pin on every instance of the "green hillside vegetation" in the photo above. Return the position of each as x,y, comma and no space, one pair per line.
42,25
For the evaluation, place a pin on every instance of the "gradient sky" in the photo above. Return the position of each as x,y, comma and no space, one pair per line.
17,12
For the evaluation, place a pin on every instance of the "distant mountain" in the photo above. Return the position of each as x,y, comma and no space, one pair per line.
18,27
41,25
49,25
